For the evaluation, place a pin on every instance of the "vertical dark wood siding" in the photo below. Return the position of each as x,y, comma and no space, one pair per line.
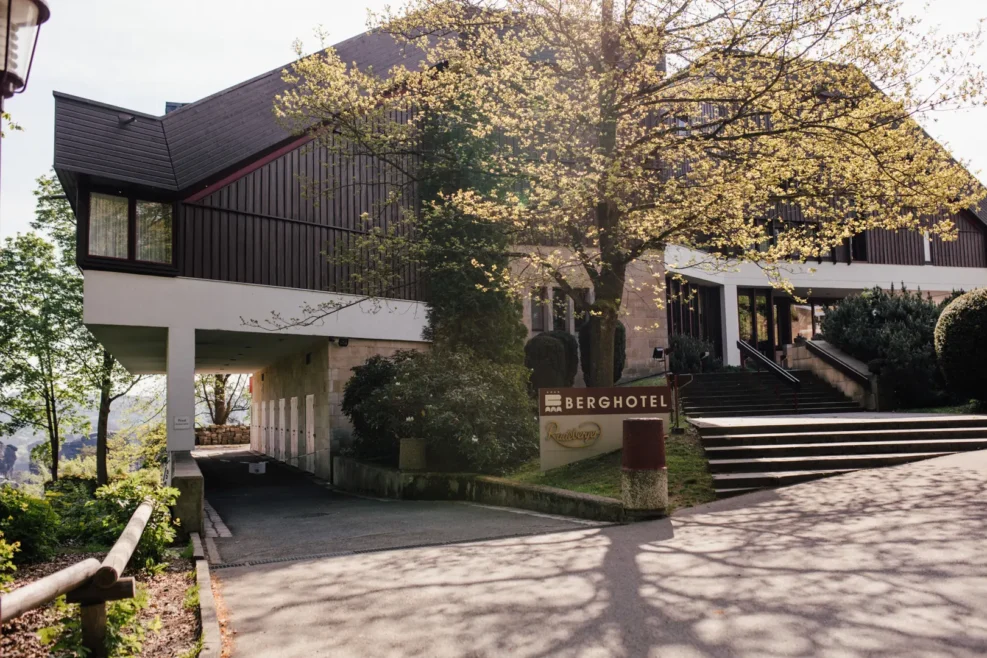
895,247
275,225
968,250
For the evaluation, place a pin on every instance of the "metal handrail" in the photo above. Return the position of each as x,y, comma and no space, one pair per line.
785,376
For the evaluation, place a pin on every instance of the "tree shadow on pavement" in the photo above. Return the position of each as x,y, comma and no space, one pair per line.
878,563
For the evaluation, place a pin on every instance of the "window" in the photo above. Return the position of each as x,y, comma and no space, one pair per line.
153,232
108,219
560,310
538,314
125,228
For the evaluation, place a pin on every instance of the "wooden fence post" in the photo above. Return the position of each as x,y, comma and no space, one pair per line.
94,628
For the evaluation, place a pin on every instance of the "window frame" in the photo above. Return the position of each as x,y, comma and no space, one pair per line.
130,263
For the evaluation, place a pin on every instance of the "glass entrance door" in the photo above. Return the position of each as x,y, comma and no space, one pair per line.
756,315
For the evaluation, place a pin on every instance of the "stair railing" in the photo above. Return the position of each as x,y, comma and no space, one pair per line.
782,375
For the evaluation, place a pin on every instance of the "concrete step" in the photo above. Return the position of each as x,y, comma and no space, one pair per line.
744,452
846,424
767,408
819,463
756,413
813,436
763,480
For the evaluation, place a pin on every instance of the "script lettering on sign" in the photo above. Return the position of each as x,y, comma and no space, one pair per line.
581,436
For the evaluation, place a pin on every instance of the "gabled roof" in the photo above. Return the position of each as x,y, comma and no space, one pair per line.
187,147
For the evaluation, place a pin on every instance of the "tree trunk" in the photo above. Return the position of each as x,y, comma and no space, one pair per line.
603,324
102,421
221,412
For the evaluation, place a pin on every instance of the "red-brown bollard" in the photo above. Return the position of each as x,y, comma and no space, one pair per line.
644,475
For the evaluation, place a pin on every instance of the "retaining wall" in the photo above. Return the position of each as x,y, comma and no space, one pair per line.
358,477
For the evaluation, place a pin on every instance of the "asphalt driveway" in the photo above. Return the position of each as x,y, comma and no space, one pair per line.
286,514
889,562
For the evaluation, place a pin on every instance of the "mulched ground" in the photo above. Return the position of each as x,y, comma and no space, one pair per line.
179,626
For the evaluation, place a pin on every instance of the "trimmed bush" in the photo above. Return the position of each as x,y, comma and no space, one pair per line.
571,354
474,415
960,345
30,522
893,333
685,355
545,356
619,353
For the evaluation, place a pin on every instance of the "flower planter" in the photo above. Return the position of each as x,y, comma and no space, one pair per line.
411,455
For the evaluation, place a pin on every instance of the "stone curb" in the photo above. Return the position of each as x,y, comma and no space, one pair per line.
212,637
357,477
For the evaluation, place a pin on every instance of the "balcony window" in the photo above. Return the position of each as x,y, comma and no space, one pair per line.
108,219
127,229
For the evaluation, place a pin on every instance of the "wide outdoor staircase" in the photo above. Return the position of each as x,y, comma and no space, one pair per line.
764,393
748,454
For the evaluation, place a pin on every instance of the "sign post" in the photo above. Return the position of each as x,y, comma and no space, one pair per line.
578,423
643,473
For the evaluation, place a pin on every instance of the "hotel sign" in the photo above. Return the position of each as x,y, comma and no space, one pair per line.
577,423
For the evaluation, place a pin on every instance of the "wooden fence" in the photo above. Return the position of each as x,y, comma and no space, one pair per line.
88,583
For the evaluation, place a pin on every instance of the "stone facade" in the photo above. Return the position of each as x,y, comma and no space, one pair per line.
641,314
798,357
221,435
306,391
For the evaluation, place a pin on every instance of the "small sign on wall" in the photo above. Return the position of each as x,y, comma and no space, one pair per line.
181,423
578,423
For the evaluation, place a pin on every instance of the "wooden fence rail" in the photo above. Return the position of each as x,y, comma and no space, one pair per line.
88,583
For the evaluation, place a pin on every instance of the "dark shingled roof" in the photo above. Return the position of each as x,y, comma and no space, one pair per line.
200,141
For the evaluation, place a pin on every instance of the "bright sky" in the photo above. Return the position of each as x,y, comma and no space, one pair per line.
140,54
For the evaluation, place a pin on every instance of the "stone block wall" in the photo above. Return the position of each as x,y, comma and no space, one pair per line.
320,372
643,315
221,435
342,360
800,358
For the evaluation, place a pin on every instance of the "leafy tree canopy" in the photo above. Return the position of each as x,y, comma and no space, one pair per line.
626,126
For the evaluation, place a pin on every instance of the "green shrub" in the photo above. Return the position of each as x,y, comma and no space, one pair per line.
545,356
372,442
960,345
108,514
31,522
571,354
893,333
69,496
474,414
7,568
685,355
619,353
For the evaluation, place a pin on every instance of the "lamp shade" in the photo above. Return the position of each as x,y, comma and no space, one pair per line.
20,21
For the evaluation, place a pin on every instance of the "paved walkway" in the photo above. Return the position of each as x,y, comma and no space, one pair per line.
878,563
815,420
286,514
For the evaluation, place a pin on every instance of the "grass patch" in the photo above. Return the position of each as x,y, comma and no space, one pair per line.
689,481
657,380
191,601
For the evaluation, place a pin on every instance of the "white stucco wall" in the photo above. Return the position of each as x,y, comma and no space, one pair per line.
183,306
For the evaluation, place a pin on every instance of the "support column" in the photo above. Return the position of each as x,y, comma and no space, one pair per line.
181,389
731,325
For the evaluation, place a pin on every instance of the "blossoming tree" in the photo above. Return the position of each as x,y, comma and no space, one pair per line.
758,130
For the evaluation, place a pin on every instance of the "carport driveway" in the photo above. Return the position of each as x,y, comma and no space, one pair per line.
287,514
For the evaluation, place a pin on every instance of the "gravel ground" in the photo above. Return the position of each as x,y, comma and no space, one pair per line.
179,626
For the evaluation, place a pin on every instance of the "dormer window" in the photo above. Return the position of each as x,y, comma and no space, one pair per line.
125,228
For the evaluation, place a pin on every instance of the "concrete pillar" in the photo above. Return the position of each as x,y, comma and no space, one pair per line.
643,473
731,325
181,389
